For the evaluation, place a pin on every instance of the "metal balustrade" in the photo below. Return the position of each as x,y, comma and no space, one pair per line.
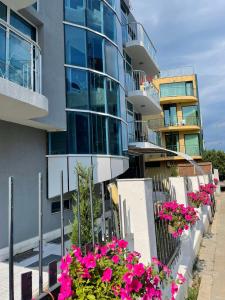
139,132
21,61
160,123
135,32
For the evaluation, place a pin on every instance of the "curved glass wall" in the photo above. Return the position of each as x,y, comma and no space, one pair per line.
94,87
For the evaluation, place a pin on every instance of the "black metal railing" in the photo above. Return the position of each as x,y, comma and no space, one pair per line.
168,247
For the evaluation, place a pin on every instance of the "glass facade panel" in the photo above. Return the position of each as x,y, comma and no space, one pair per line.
192,147
109,23
2,52
75,11
98,127
94,15
3,11
112,89
114,127
58,143
77,88
20,61
95,51
78,133
170,115
172,141
177,89
190,115
75,45
22,25
111,59
97,92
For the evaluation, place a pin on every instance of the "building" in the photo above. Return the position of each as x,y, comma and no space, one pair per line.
75,84
179,126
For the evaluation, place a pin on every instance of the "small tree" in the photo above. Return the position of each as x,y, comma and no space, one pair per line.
85,208
217,158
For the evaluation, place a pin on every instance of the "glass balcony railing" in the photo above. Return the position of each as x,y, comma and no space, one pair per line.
184,71
135,32
20,58
192,150
139,131
174,122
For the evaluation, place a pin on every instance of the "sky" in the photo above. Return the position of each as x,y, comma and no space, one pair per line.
192,33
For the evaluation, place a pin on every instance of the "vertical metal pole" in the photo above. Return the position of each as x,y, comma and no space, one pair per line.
92,213
11,241
40,200
103,213
62,215
112,213
78,210
121,218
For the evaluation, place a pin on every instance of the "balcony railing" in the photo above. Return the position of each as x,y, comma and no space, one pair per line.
139,131
137,81
185,71
192,150
174,122
21,61
135,32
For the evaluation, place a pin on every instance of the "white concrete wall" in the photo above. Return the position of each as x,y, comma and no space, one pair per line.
138,216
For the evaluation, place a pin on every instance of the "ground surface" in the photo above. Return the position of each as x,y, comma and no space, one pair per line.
212,257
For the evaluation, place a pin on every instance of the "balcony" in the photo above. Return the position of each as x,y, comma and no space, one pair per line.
142,94
140,132
18,4
20,79
176,124
140,48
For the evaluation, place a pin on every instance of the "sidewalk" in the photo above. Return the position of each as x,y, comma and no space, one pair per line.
212,256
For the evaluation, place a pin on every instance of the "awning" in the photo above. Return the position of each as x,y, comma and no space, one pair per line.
149,148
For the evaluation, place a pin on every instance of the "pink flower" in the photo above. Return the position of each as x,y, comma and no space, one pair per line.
107,275
128,277
136,285
104,250
181,278
122,244
115,259
89,261
174,288
139,270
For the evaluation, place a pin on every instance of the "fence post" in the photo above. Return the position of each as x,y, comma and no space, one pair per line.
92,213
40,200
62,215
78,209
11,240
103,213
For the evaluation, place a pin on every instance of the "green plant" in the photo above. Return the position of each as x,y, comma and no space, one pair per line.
192,293
173,171
85,212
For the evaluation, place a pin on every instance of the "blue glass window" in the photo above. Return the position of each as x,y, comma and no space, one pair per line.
22,25
111,59
77,88
95,51
111,2
94,15
177,89
97,92
35,5
2,52
75,45
3,11
114,126
57,143
113,97
109,23
98,127
78,133
75,11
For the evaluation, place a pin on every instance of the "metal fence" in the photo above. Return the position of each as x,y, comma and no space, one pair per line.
168,248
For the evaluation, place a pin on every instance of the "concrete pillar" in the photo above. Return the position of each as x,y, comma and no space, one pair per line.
138,216
216,176
178,189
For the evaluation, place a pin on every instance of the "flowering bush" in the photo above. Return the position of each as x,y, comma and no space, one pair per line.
180,218
216,181
112,272
199,198
208,188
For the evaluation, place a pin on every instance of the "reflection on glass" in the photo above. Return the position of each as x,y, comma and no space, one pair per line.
111,59
98,126
2,52
57,143
19,61
3,11
94,15
77,88
75,11
170,115
172,141
97,93
112,89
109,23
75,46
95,51
78,133
190,115
22,25
192,144
114,136
177,89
